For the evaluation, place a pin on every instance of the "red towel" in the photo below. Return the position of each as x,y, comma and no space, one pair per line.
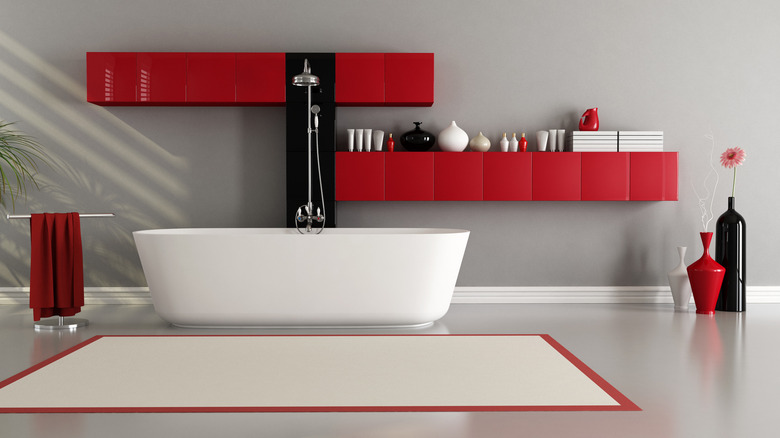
56,268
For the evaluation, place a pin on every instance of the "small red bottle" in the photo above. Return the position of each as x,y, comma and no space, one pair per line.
390,143
523,143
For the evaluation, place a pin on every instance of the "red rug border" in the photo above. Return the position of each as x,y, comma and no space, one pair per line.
624,404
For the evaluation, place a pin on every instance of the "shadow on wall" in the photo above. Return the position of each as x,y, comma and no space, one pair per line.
100,164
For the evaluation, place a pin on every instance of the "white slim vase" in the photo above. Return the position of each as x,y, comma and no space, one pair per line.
678,281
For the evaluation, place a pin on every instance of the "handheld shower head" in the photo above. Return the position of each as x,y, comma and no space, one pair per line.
306,79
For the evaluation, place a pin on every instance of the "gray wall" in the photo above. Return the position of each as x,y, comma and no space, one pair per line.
689,68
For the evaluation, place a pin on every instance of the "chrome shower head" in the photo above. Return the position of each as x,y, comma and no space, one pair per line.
306,78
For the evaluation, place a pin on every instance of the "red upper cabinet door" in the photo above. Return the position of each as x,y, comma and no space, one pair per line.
409,176
457,176
507,176
360,176
211,78
360,79
162,78
653,176
605,176
111,78
260,78
408,79
556,176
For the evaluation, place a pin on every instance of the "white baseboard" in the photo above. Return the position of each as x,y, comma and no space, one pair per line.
463,294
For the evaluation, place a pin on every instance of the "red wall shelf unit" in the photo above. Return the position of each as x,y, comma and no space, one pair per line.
242,79
499,176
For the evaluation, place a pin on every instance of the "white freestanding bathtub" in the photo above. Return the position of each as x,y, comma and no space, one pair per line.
254,277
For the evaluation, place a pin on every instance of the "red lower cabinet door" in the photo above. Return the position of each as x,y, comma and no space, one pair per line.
211,78
556,176
653,176
360,176
507,176
605,176
162,78
457,176
409,176
111,78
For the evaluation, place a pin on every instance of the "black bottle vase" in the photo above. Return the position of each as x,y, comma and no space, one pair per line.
730,249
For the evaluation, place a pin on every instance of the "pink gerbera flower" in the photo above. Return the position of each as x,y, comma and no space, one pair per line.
732,157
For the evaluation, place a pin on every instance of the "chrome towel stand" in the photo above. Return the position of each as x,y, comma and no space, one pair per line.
61,323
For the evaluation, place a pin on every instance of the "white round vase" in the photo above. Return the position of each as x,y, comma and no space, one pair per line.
479,143
453,139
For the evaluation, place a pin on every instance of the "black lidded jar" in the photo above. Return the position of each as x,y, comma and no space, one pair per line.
417,140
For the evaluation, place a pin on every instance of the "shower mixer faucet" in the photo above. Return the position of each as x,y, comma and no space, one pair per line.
304,212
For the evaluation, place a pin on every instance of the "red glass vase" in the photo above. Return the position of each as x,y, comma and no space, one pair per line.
706,277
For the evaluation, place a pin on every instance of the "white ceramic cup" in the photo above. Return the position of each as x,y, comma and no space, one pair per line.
541,140
350,140
378,139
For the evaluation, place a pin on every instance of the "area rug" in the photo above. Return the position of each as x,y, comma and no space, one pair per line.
327,373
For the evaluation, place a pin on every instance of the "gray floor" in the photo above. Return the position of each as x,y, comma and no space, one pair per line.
693,376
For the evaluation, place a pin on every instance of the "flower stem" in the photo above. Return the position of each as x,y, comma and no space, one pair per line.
734,182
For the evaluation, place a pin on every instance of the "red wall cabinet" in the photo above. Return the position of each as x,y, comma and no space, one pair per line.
507,176
605,176
260,79
360,79
556,176
162,78
457,176
409,79
211,78
409,176
653,176
111,78
360,176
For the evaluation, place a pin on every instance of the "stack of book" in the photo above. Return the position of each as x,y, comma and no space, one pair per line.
594,141
641,141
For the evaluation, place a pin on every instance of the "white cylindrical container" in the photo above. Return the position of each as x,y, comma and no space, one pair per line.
513,143
359,140
553,140
378,137
541,140
561,140
367,140
350,140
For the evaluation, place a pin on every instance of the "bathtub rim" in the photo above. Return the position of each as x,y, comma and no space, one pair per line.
279,231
